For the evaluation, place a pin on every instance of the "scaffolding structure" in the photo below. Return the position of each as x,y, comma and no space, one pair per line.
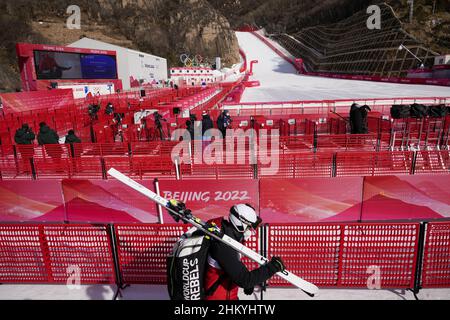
350,47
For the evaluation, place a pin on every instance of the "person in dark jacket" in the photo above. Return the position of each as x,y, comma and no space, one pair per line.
24,139
72,138
226,272
93,110
190,128
358,119
24,135
109,110
47,135
224,122
207,123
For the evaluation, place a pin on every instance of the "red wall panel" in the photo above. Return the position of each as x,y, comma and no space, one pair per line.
311,199
211,199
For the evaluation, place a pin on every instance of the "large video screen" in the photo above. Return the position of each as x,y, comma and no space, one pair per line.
63,65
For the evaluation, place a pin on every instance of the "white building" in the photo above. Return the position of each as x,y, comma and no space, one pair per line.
195,76
134,67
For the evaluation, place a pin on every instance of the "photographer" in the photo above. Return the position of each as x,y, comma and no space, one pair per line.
158,124
93,110
224,122
24,135
109,110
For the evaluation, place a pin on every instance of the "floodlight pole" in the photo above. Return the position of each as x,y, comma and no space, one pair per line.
403,47
411,10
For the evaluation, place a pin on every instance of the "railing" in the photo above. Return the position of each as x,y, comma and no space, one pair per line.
386,255
62,161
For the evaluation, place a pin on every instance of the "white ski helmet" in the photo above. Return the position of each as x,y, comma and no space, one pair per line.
244,217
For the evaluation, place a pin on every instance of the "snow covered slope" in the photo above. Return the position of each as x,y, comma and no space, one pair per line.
279,81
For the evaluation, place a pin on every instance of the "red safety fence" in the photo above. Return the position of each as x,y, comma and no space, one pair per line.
36,253
350,164
300,165
337,255
355,255
432,162
436,257
143,249
27,101
216,171
92,162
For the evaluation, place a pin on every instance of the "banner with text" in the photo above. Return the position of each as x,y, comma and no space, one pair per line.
210,199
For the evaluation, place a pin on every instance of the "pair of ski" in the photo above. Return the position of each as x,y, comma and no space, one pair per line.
187,217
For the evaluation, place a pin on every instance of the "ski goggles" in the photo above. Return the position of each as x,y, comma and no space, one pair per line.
250,225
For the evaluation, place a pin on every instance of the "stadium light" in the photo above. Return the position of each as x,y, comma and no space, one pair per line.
401,47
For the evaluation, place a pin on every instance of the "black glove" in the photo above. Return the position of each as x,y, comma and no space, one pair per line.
249,291
276,265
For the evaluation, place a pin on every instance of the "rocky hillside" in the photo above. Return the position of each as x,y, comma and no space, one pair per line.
287,15
431,23
172,27
162,27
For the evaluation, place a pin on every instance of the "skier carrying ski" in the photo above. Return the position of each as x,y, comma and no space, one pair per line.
225,272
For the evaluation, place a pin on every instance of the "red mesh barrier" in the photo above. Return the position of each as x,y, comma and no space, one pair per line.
143,249
345,142
254,244
301,166
309,251
21,255
296,144
123,164
85,246
100,149
155,148
46,254
392,247
431,162
87,168
13,169
335,255
216,171
436,258
151,167
350,164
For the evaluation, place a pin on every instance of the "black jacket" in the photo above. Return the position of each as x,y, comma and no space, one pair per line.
71,138
47,136
220,122
358,118
207,124
23,136
231,264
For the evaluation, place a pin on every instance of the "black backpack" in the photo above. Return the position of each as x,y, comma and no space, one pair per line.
400,111
438,111
186,266
419,111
